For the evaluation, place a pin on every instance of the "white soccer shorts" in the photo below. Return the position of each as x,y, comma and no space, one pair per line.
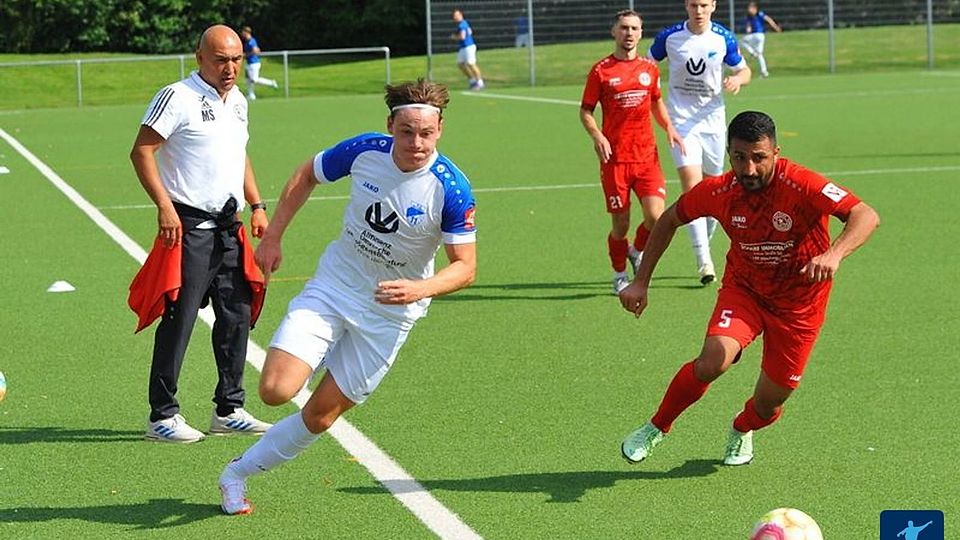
467,55
354,344
753,43
704,149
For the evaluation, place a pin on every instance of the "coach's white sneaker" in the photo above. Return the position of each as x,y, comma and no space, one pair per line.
233,494
739,449
620,282
638,445
239,421
707,273
174,429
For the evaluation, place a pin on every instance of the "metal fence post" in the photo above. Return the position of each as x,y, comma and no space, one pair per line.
183,68
929,34
386,52
286,74
429,43
733,16
530,45
79,85
831,49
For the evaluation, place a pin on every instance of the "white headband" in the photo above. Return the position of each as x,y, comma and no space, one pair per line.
416,106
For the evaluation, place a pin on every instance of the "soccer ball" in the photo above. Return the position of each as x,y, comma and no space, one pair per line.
786,524
3,386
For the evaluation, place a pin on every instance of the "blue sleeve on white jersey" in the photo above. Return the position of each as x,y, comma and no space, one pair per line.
658,49
457,218
732,57
334,163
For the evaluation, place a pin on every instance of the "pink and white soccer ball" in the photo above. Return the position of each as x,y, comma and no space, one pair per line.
786,524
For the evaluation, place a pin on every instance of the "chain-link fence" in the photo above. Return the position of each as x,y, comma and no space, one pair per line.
531,41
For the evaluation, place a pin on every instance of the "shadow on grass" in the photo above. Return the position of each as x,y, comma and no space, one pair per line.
566,487
566,290
153,514
27,435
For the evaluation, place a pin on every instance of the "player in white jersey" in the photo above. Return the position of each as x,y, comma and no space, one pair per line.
697,51
372,283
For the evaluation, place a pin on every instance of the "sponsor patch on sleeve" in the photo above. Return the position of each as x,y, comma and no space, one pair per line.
833,192
469,218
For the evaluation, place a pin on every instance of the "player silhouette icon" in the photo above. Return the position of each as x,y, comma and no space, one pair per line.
910,532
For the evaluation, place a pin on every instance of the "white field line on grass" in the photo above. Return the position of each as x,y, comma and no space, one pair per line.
837,174
775,97
404,487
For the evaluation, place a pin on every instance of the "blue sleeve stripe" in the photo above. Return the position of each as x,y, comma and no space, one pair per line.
336,162
456,206
158,107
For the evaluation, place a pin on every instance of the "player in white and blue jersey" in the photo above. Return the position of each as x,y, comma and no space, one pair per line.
697,51
753,40
251,53
372,283
467,51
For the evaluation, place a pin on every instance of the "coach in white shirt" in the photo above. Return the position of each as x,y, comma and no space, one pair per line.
190,157
697,50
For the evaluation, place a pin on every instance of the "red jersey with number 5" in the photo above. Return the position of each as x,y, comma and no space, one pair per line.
773,232
625,89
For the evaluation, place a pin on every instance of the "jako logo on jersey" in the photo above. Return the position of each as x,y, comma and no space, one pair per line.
377,222
739,222
238,110
371,187
614,81
645,79
696,67
415,214
782,222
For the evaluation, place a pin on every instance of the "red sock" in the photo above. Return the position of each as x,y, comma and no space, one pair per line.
617,248
684,390
749,420
640,241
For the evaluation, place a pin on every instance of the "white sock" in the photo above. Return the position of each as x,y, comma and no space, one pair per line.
281,443
697,229
763,64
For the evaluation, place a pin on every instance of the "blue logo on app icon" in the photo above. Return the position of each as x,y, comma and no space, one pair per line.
911,525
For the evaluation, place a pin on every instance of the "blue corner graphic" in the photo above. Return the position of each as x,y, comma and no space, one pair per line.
911,525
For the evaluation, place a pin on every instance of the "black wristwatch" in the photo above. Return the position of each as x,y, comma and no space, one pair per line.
258,206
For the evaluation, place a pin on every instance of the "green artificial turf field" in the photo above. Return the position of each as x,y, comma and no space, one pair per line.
510,399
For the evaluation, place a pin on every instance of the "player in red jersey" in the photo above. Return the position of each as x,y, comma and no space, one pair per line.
777,280
627,86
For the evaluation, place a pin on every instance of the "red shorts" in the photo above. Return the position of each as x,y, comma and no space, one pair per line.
787,338
618,179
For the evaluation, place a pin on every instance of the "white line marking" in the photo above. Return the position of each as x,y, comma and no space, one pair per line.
812,95
551,187
434,515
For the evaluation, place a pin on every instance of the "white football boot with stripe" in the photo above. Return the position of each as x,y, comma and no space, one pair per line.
239,421
174,429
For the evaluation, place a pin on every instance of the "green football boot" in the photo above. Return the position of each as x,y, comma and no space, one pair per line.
739,450
638,445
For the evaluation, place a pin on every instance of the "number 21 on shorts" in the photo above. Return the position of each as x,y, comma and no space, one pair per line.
615,202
